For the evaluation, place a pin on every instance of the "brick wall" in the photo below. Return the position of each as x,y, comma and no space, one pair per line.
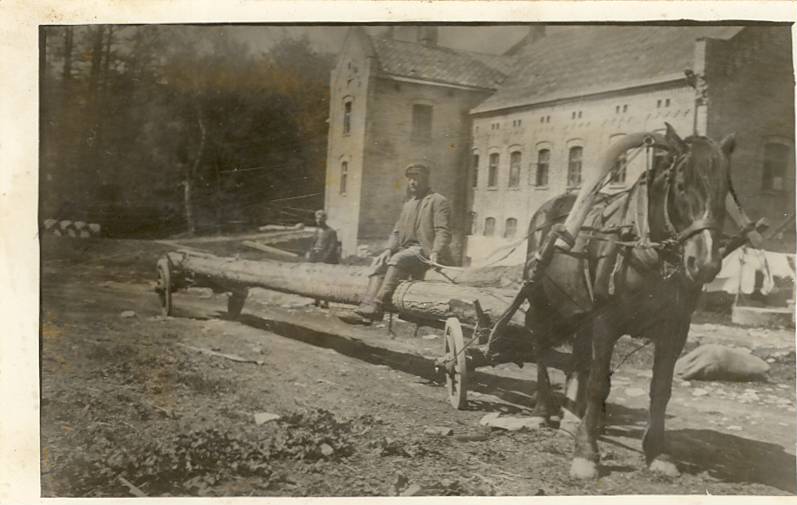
751,92
596,124
390,147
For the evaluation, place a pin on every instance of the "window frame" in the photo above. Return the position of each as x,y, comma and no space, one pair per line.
570,164
536,177
515,150
489,225
343,187
493,170
415,131
506,228
788,159
348,109
475,159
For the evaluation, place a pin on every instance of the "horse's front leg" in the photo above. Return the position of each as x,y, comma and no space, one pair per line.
669,340
587,456
576,385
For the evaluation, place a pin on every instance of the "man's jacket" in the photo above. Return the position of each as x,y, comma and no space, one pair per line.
426,223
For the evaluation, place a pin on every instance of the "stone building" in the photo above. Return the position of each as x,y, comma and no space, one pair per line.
395,102
513,131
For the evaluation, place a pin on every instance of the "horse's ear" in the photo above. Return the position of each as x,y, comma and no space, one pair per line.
673,140
728,144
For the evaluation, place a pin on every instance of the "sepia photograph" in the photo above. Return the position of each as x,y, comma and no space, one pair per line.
416,259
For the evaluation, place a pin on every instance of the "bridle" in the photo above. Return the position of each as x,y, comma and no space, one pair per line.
678,237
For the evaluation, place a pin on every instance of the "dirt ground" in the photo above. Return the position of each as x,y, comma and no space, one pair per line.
130,405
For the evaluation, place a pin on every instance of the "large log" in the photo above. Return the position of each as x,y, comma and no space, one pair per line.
431,301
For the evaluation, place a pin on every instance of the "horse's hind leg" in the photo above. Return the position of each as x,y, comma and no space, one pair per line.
586,456
669,340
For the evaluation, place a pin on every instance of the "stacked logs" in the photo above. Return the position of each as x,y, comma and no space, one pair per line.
68,228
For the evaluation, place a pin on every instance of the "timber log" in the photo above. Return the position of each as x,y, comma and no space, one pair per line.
425,301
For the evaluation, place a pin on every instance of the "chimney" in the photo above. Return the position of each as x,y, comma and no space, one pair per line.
536,32
427,35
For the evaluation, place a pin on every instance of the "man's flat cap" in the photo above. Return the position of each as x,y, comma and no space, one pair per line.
417,170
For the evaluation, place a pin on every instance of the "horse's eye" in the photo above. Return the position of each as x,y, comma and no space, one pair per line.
680,186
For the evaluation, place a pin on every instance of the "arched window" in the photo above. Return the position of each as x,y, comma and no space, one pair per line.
474,170
347,116
574,166
344,177
492,174
474,223
776,162
514,169
489,227
543,166
510,228
620,168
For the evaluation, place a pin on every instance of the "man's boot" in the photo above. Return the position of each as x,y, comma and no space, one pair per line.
393,278
367,312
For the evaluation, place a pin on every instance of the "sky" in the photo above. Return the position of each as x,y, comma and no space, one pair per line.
493,39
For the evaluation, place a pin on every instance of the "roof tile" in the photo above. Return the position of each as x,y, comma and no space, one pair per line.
573,60
441,64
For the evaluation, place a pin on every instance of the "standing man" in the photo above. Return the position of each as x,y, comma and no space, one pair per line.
325,247
421,236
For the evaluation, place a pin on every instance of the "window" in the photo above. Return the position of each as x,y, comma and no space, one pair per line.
474,223
543,163
776,161
421,121
514,169
510,228
347,117
574,166
489,227
625,108
492,174
620,168
344,177
474,171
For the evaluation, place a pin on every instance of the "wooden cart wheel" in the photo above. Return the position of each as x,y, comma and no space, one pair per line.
235,302
457,371
165,287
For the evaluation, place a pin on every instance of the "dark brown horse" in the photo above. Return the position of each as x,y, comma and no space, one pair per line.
636,269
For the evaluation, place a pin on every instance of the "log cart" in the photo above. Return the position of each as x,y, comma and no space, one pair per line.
482,326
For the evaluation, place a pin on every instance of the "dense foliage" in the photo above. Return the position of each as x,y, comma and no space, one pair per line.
163,129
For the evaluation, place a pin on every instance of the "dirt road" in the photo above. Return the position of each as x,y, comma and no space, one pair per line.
131,407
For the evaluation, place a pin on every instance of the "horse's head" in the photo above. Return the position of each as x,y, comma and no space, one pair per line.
695,187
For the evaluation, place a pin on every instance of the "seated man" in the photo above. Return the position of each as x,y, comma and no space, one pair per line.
325,242
420,236
325,247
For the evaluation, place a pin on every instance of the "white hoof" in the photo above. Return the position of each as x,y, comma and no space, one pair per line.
583,469
663,467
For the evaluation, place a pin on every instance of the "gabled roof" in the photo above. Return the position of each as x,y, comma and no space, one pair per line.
578,60
441,64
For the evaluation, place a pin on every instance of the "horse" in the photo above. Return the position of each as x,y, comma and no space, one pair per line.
636,268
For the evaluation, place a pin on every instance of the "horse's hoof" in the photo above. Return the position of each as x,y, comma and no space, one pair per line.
664,467
584,469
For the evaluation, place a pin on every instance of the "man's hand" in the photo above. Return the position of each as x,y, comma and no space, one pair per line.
434,257
382,258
